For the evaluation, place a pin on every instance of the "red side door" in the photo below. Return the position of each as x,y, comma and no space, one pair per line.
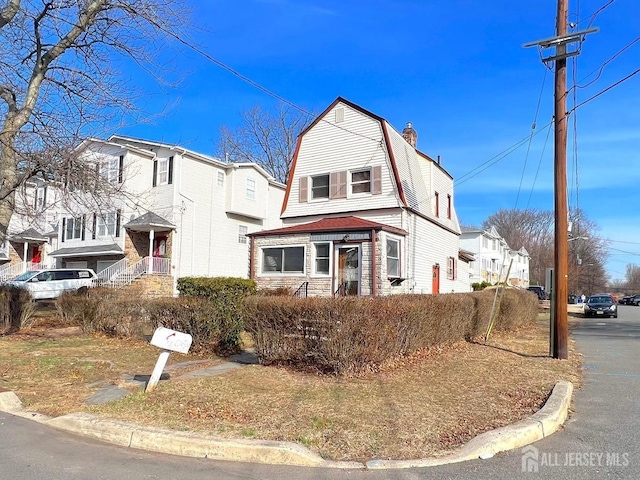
436,279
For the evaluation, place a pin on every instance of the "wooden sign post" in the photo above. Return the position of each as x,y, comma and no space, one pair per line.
168,340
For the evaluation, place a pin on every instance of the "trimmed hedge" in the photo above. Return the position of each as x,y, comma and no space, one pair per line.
227,295
341,335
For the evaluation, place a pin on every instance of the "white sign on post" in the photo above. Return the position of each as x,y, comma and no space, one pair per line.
169,340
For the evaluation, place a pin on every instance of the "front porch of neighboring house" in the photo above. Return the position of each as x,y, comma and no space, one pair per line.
24,251
331,257
145,260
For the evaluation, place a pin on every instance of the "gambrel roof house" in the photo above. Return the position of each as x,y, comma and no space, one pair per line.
493,256
168,211
364,213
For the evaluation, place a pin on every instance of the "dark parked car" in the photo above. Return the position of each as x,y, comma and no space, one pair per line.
635,300
538,290
626,300
600,305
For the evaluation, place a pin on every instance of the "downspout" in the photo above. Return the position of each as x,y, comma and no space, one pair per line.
374,264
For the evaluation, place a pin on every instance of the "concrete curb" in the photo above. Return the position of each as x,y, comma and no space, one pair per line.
541,424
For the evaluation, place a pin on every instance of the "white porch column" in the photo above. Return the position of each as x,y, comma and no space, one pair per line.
151,237
25,251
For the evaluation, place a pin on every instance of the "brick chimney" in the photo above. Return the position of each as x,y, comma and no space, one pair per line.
410,135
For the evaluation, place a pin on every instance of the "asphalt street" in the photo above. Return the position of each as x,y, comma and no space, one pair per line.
598,441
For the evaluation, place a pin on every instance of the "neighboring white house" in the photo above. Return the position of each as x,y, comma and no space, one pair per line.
493,257
365,213
168,210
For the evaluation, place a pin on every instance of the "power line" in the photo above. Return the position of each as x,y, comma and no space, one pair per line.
544,147
593,97
605,63
533,128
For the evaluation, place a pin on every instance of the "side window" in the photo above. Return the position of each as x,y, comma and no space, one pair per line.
43,277
64,274
393,258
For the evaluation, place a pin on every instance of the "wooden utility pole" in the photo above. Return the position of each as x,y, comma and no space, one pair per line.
560,292
561,244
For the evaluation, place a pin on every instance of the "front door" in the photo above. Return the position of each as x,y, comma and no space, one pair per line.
436,279
348,270
36,256
159,246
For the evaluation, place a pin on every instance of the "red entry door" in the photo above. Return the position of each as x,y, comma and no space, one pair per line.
436,279
36,256
159,246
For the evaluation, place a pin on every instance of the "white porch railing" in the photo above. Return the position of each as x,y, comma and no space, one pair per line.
112,271
126,275
10,270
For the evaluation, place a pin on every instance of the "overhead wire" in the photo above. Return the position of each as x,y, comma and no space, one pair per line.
533,128
544,147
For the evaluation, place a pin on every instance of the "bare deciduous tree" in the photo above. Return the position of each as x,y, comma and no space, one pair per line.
59,77
534,230
266,138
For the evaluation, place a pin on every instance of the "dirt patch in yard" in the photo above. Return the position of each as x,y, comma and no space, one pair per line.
421,405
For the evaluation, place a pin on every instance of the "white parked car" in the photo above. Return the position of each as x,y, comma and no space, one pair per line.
51,283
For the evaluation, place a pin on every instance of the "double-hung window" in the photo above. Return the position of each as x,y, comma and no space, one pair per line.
393,258
319,187
451,268
163,171
107,224
361,182
73,228
283,260
251,189
242,233
322,258
111,170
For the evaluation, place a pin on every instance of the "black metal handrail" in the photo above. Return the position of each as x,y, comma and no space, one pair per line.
341,291
301,292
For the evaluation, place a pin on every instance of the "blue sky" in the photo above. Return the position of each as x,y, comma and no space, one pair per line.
455,68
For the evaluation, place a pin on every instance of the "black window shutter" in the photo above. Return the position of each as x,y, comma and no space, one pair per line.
64,229
82,226
94,227
170,173
120,168
155,172
118,217
44,197
35,198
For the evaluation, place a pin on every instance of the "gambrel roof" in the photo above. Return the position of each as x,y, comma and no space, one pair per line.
409,168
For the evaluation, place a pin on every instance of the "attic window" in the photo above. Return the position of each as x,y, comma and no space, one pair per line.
339,114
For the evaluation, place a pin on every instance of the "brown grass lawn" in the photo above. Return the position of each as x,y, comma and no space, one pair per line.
426,404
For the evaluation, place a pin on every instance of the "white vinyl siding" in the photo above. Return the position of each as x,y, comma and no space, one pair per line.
327,149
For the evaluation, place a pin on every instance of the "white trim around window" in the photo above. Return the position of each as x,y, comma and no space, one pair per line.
360,182
394,263
283,260
251,189
322,259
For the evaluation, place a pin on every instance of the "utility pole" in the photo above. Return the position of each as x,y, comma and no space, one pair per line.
561,239
560,293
